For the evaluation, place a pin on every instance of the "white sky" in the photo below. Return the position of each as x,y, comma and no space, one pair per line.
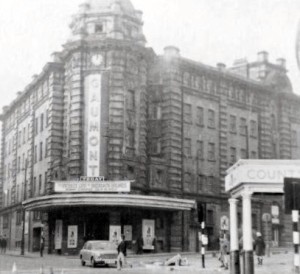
209,31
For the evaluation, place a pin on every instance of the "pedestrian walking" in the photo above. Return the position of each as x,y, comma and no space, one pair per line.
259,247
42,244
122,249
224,249
139,243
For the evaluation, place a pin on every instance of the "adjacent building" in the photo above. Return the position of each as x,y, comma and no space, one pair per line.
112,138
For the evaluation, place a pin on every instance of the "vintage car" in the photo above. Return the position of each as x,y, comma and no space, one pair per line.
99,253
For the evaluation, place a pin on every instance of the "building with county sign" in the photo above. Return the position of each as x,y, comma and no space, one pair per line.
112,138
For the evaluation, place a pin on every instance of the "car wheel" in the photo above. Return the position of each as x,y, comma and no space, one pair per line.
82,262
93,263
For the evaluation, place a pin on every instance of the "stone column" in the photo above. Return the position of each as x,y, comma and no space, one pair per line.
247,234
234,238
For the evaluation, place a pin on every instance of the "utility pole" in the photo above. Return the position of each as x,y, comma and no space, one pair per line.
23,210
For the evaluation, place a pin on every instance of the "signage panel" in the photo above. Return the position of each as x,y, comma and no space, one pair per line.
148,233
91,179
72,236
115,234
250,173
93,121
83,186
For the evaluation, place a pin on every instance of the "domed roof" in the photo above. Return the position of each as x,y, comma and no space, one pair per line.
104,5
279,81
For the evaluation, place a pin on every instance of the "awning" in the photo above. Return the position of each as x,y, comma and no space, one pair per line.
49,202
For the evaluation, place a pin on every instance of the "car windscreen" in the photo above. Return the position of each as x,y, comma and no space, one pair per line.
102,245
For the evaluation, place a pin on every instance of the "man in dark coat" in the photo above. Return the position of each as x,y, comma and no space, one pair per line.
42,244
259,246
122,250
1,244
4,244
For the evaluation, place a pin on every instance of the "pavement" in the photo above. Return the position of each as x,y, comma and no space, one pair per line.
280,261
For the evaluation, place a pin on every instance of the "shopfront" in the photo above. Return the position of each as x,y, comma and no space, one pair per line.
75,217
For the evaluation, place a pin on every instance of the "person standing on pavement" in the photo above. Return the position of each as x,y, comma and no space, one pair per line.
42,244
122,249
1,244
224,248
4,244
259,246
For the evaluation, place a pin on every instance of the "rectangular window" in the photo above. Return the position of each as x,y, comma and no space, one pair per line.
41,151
243,125
187,114
187,147
20,138
210,217
19,217
200,116
46,147
19,164
253,155
42,122
28,131
40,183
23,161
253,128
211,118
130,138
47,117
232,123
34,186
24,135
35,154
243,153
45,182
200,151
130,102
294,138
36,126
232,155
5,221
156,146
211,152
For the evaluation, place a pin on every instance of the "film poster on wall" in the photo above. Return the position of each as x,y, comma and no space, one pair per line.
72,236
115,233
148,233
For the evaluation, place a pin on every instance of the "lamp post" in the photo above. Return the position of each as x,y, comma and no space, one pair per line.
23,211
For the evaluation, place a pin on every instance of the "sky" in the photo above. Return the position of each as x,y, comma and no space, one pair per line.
208,31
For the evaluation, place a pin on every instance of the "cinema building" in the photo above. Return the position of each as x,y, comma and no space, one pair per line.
112,138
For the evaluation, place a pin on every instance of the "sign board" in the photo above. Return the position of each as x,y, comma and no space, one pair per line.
148,233
266,217
115,233
26,230
91,179
93,98
82,186
204,239
224,223
260,173
291,194
58,234
72,236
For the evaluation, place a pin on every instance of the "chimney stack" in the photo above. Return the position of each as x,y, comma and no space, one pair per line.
262,56
221,66
171,51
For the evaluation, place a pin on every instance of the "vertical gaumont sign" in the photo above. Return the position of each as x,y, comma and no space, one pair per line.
93,123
